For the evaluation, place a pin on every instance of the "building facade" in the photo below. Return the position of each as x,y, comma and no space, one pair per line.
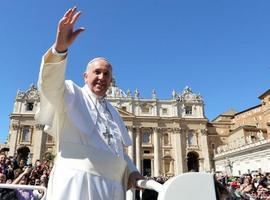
169,136
244,144
23,129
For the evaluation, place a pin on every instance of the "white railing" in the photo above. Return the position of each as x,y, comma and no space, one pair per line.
183,187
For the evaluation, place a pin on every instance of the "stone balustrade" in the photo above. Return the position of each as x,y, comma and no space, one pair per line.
242,148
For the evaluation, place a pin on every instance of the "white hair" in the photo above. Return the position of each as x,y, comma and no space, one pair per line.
96,59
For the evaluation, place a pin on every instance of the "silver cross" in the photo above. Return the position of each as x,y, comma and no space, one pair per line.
108,136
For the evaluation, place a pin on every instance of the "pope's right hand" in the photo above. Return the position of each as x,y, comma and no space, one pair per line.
65,31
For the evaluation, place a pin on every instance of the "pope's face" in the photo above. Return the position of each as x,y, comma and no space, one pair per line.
98,77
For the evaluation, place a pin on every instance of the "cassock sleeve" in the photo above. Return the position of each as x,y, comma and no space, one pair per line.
51,86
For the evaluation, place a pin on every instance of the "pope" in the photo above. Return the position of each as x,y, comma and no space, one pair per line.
90,134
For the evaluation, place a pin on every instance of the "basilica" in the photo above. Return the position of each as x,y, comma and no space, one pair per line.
170,136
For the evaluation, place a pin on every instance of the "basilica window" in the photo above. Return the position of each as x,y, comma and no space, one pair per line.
25,134
146,138
192,139
164,111
188,110
29,106
145,109
166,139
253,137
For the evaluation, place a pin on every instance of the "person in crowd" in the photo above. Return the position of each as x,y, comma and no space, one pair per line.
6,194
25,176
10,169
3,165
23,179
247,185
91,162
38,193
17,172
2,178
38,168
262,192
22,164
222,193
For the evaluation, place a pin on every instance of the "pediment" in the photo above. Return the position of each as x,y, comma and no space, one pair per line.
30,94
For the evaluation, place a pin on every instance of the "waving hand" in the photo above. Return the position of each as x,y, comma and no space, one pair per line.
65,32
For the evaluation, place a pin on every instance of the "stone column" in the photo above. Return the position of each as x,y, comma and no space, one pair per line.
138,149
152,167
186,163
201,164
205,150
157,152
180,151
184,149
14,132
40,139
171,167
131,148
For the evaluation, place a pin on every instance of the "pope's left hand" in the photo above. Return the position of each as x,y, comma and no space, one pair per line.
133,178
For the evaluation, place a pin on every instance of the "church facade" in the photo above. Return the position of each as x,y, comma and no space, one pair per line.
169,136
23,129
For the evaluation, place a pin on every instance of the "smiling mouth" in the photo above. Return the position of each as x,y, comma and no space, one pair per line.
100,85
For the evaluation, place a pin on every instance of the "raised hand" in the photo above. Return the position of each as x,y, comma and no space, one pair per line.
65,32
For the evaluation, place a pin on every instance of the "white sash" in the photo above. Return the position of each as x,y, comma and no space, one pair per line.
92,160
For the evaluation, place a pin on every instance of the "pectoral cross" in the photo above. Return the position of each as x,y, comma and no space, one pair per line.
108,136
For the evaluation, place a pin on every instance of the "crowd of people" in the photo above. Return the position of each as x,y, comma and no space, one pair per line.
17,171
255,186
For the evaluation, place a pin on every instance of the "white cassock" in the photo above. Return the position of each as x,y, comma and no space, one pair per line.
89,165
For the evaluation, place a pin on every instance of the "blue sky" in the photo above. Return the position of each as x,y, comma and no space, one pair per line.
220,48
